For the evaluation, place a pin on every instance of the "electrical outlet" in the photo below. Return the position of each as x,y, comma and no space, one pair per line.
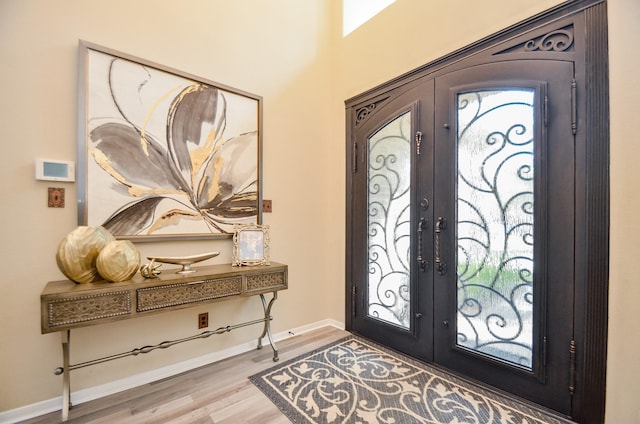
203,320
55,197
266,206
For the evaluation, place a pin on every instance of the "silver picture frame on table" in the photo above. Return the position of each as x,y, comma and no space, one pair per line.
251,245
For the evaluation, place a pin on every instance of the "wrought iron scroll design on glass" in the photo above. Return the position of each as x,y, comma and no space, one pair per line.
389,182
495,223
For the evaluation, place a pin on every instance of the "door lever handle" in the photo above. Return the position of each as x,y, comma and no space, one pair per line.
441,224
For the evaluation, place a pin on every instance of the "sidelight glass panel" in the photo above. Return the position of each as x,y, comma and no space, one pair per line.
495,224
389,177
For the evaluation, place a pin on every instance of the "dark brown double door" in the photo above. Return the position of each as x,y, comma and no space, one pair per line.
462,225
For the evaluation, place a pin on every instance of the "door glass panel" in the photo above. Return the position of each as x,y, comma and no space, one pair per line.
495,225
389,177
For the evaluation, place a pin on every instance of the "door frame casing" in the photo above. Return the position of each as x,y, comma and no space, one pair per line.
590,57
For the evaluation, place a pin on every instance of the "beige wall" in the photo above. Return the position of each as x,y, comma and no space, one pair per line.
277,49
623,364
291,52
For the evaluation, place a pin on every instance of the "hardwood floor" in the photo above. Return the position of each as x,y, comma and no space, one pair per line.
216,393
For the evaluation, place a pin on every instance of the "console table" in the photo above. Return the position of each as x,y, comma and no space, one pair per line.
66,305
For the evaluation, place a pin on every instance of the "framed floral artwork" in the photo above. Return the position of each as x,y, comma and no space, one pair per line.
164,154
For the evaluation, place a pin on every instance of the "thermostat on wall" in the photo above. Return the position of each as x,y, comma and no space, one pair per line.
55,170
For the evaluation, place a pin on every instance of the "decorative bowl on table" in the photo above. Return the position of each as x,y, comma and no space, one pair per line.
185,261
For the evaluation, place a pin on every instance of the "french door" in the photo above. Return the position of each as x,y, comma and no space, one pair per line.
462,225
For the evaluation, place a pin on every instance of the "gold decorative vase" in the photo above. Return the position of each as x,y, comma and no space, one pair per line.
119,260
78,251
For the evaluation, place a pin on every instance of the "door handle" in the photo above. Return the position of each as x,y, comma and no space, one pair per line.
422,225
441,224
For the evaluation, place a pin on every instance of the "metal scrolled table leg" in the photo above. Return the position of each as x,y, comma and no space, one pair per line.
66,375
267,324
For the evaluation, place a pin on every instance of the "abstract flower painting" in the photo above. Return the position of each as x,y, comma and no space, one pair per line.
163,154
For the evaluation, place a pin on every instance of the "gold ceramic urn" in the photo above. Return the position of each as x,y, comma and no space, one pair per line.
78,251
119,260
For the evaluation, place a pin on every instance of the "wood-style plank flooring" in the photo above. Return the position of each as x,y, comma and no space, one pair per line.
216,393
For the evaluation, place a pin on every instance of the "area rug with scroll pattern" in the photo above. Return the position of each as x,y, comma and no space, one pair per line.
357,381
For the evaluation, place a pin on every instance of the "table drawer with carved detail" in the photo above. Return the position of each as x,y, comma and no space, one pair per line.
79,309
265,282
159,297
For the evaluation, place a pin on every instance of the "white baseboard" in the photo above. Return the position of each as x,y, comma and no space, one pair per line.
91,393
